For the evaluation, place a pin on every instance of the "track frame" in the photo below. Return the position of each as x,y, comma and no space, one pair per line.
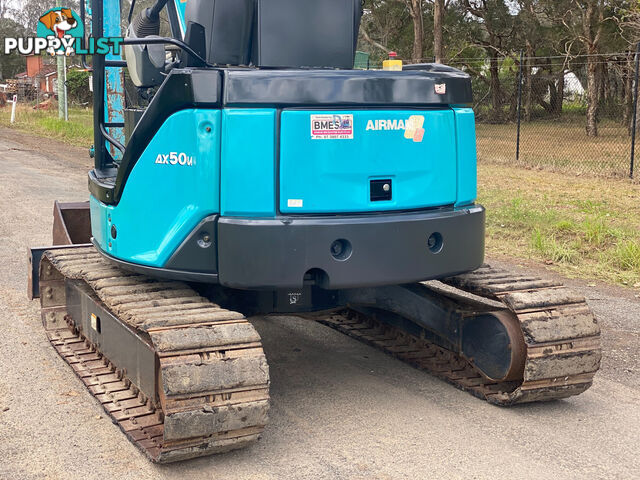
211,390
190,378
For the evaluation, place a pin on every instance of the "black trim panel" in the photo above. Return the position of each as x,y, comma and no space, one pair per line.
162,273
370,88
384,249
199,252
183,88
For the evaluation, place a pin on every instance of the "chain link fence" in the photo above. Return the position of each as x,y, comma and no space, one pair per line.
570,114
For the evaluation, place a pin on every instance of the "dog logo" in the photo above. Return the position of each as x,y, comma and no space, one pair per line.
60,31
63,24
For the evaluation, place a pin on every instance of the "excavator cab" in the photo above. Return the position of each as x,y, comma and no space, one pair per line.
249,168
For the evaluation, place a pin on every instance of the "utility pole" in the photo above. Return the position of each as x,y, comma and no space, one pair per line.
62,78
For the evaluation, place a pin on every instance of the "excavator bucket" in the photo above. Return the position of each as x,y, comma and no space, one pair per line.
71,223
71,227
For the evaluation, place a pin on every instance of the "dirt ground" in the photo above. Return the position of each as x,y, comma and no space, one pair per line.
341,410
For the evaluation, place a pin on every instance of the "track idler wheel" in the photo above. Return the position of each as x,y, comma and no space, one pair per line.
494,344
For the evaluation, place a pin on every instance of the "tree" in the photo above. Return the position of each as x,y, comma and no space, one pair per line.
11,65
31,11
77,81
5,9
386,26
592,13
415,10
587,22
438,30
629,27
497,30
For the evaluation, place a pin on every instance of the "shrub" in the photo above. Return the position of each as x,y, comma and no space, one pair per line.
78,87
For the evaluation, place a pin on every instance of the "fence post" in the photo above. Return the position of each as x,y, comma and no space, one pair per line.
66,91
13,108
635,111
519,105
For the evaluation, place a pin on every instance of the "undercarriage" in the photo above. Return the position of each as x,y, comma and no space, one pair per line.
184,376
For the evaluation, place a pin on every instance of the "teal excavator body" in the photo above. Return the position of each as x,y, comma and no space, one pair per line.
249,169
268,164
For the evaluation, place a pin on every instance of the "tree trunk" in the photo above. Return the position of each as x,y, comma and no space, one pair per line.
592,96
438,21
418,30
627,114
592,26
494,83
557,94
528,82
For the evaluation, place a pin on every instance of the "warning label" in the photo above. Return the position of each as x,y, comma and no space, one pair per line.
331,127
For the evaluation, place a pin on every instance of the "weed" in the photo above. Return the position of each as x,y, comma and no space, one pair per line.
626,256
553,250
582,227
565,226
595,231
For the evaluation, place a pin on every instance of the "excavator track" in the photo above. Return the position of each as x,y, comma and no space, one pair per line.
212,392
561,334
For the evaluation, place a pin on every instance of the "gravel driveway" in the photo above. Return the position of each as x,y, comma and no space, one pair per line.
340,408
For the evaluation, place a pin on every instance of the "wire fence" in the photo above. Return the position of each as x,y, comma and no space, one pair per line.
569,114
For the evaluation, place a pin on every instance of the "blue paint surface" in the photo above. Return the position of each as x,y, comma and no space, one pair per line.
328,176
248,163
467,156
114,95
161,203
181,6
234,172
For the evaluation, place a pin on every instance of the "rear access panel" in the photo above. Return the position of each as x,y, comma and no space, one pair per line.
337,161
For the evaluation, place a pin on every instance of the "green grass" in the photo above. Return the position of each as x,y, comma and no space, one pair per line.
77,131
627,256
559,145
583,227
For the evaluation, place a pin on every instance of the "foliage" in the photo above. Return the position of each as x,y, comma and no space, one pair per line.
11,65
78,87
485,38
31,11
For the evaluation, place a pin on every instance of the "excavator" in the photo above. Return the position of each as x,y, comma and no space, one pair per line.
244,167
